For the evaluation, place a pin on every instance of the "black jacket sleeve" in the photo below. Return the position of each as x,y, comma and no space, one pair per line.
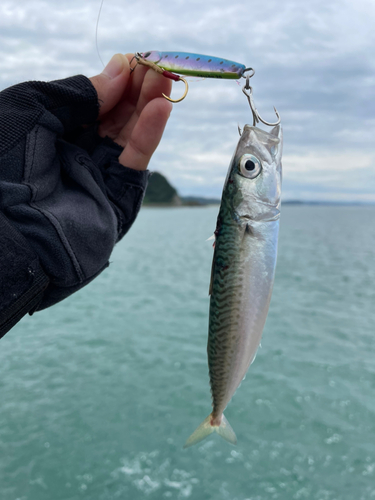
64,198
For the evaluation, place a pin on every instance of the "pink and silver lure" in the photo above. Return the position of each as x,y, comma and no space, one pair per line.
185,63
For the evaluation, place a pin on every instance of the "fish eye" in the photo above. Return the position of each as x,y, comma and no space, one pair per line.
250,166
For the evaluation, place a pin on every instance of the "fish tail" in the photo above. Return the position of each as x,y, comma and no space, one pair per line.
206,428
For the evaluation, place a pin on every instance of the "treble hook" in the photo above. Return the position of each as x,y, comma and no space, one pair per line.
256,116
140,60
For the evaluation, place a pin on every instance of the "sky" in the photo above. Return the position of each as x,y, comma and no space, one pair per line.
314,61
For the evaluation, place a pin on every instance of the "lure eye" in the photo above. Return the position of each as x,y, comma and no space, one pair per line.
250,166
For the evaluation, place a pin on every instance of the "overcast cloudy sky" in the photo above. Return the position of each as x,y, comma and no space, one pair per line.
314,61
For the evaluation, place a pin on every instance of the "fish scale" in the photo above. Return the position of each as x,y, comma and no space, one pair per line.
223,312
243,269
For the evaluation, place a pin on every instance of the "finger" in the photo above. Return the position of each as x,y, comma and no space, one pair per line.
153,86
111,84
146,134
137,81
114,121
144,86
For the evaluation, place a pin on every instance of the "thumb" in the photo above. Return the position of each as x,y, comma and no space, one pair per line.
110,84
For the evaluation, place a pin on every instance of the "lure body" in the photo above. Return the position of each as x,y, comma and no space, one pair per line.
243,269
185,63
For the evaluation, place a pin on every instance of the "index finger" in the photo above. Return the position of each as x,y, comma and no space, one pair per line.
111,84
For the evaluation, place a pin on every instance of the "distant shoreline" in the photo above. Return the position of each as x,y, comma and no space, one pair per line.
202,202
333,203
160,193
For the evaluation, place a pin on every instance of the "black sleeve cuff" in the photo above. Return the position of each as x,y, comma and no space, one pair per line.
23,281
125,187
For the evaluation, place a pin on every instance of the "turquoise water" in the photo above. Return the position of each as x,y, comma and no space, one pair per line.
99,393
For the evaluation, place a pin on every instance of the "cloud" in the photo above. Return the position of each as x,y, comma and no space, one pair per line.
324,175
314,62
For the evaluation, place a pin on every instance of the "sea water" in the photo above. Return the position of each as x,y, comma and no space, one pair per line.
99,393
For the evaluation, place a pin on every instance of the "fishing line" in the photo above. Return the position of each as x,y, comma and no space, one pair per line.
96,32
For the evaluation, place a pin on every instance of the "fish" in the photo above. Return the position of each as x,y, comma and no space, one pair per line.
243,269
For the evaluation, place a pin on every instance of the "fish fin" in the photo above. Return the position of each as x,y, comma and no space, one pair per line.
252,361
226,432
249,230
201,432
211,237
205,429
212,276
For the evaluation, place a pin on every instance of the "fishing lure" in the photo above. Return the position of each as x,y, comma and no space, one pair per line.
188,64
185,63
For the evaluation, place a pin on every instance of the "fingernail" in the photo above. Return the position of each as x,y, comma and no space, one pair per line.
114,67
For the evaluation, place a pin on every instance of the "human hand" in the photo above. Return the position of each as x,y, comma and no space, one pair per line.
132,112
81,200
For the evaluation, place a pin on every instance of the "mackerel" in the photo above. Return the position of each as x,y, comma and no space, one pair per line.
243,269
